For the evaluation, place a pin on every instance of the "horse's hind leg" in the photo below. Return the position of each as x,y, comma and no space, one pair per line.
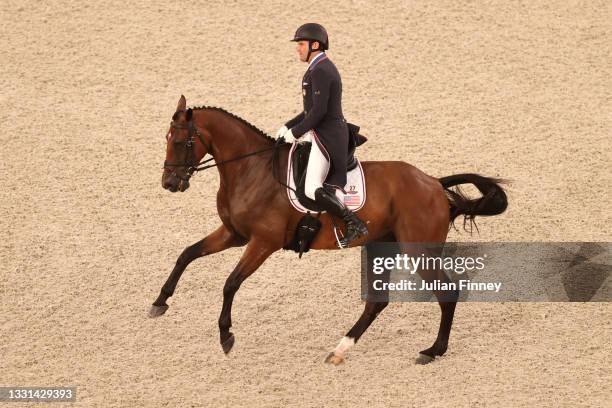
441,344
217,241
372,309
375,303
447,301
432,231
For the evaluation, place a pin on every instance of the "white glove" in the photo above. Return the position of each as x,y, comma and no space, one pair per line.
281,132
289,138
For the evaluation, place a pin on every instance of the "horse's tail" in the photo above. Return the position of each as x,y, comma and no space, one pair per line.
492,202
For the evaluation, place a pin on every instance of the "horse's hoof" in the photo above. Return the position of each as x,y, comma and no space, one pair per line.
424,359
228,344
157,311
334,359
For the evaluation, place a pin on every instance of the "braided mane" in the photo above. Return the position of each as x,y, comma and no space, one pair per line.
244,121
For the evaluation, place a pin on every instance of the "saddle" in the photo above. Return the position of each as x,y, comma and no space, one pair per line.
299,163
308,227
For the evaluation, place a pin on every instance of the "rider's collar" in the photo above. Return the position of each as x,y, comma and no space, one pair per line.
316,60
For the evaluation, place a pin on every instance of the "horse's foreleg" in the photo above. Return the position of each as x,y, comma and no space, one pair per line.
255,254
219,240
372,309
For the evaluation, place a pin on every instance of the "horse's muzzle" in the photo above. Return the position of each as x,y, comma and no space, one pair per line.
173,184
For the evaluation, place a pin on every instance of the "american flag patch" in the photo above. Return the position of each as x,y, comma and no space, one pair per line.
354,199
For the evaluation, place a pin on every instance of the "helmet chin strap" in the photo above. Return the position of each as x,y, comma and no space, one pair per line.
310,50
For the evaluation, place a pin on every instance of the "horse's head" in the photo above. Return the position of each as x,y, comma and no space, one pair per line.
185,147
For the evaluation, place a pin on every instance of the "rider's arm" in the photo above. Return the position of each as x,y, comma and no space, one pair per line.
321,83
295,121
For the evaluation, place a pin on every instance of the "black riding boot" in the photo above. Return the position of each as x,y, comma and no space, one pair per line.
355,228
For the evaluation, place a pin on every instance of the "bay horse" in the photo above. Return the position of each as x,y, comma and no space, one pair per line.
403,205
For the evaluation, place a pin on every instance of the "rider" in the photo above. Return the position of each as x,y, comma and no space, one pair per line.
323,124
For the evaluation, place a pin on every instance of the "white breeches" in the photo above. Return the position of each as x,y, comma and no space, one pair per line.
317,169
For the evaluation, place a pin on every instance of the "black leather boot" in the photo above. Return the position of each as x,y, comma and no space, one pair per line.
355,228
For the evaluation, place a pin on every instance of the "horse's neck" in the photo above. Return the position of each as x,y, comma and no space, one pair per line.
230,139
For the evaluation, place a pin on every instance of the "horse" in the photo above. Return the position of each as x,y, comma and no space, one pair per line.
403,205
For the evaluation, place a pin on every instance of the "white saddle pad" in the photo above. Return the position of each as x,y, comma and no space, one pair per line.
355,187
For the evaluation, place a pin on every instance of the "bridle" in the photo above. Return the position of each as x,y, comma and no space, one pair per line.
189,163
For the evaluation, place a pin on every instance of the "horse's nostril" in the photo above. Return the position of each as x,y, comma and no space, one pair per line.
167,183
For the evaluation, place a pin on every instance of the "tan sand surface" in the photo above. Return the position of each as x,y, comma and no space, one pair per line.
518,89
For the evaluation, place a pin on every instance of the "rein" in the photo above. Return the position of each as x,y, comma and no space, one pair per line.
198,168
275,164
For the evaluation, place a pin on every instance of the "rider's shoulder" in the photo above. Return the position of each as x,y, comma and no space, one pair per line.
324,68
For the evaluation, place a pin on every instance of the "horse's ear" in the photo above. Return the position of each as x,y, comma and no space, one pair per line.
182,104
189,114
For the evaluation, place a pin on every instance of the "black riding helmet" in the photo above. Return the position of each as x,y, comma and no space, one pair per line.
312,32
